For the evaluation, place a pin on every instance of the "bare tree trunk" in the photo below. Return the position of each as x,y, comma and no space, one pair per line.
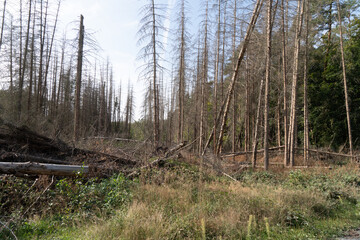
155,86
306,110
247,108
255,141
233,147
278,121
216,79
292,127
40,89
61,78
284,76
22,73
21,81
78,79
182,76
197,86
51,45
223,53
203,81
267,83
32,72
229,94
11,58
345,81
2,24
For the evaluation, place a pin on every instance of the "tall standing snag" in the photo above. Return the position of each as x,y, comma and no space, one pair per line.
78,79
2,24
150,31
292,127
267,83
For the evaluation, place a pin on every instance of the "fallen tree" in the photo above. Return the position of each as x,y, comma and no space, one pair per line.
23,151
31,168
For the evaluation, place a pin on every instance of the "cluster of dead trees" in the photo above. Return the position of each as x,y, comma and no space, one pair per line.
237,83
24,152
57,81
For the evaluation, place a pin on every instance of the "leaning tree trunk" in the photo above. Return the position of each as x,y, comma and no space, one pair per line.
229,94
345,81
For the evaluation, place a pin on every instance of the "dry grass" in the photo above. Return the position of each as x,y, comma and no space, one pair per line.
172,211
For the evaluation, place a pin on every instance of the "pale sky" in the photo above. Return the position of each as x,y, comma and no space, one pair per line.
115,23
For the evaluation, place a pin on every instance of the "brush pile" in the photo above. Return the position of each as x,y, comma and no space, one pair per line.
24,152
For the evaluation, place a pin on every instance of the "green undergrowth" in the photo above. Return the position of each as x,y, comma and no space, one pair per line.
178,201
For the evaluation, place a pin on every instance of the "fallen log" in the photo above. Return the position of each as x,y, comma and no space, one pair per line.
114,139
18,157
249,152
43,169
329,153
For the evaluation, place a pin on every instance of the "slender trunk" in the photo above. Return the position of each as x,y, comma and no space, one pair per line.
22,73
31,67
247,108
182,76
223,53
292,127
21,80
345,80
284,76
267,85
155,96
40,89
2,24
51,45
229,94
233,148
61,78
197,84
204,81
306,110
255,141
217,61
78,79
278,118
11,66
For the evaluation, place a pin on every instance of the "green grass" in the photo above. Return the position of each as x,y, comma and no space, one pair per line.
180,203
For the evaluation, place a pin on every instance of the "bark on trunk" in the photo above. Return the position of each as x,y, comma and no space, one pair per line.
345,81
42,169
229,94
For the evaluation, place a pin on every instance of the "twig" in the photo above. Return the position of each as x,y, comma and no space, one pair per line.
4,226
227,175
168,154
37,199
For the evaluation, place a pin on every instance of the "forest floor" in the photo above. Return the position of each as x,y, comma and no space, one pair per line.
184,198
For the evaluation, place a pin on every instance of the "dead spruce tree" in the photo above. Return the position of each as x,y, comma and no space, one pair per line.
78,78
150,35
181,49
